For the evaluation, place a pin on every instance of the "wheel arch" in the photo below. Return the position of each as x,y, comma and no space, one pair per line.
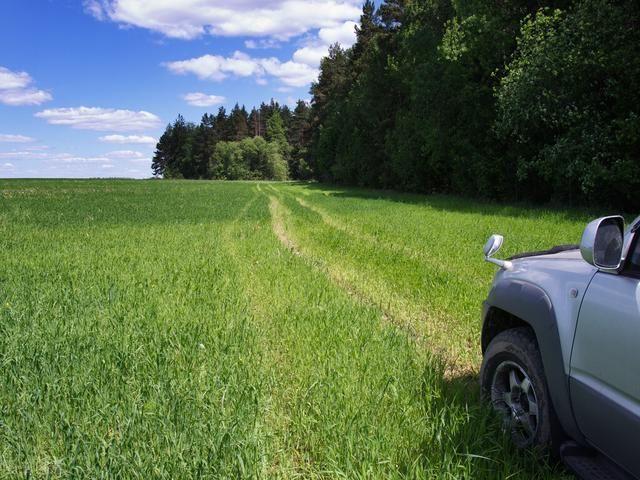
496,321
515,303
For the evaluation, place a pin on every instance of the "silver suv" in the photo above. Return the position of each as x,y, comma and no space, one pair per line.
561,348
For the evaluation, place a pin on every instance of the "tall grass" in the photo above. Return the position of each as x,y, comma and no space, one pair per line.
167,330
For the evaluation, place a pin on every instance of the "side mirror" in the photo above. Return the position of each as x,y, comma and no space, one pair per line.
602,243
491,248
493,245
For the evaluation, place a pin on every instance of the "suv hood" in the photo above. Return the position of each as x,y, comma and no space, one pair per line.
563,264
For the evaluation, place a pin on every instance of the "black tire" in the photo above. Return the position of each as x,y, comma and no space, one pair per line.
516,350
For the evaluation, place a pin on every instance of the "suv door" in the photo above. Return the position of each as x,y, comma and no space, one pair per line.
605,364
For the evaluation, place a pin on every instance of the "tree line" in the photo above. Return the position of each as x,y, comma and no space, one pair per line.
535,100
269,143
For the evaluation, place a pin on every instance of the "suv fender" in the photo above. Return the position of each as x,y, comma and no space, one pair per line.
532,307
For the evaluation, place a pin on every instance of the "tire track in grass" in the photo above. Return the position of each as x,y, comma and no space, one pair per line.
306,417
277,224
441,451
278,459
395,248
432,330
278,215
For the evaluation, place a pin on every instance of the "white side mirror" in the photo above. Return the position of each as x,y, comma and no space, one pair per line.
602,243
491,248
493,245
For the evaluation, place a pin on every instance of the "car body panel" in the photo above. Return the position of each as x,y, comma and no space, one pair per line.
564,278
605,368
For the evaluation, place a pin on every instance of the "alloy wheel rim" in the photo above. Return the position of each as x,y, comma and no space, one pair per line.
514,398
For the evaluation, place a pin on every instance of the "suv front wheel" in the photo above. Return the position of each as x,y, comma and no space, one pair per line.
512,378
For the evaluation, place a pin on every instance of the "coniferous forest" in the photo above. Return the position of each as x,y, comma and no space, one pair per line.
534,100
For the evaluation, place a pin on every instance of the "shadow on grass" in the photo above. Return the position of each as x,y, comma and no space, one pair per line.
481,440
458,204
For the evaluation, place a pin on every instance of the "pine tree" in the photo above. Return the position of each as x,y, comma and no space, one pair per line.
240,122
204,145
162,153
225,131
277,135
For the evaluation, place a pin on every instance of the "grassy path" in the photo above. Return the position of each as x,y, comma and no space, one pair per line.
212,330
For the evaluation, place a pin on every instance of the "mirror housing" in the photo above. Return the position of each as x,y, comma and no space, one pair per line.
602,243
491,248
493,245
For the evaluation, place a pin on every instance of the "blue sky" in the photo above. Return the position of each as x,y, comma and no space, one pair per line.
86,87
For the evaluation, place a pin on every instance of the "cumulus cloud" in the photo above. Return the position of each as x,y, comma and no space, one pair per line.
344,34
317,48
188,19
129,139
301,70
8,138
294,74
13,80
198,99
311,55
218,68
16,89
100,119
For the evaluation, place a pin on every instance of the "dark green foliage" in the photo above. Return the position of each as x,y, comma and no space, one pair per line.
174,153
570,103
533,100
298,136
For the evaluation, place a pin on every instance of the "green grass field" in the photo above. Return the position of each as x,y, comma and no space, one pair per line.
157,329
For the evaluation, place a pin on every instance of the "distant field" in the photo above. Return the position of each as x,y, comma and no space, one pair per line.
157,329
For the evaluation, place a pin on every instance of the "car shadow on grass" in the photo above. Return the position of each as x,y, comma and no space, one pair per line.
481,439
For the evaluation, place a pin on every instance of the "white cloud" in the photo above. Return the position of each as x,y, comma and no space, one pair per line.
67,165
344,34
310,55
263,43
126,154
100,119
69,158
13,80
129,139
198,99
313,52
22,154
16,89
187,19
8,138
217,68
51,157
294,74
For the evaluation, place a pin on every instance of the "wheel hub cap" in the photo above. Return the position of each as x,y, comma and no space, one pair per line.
514,397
